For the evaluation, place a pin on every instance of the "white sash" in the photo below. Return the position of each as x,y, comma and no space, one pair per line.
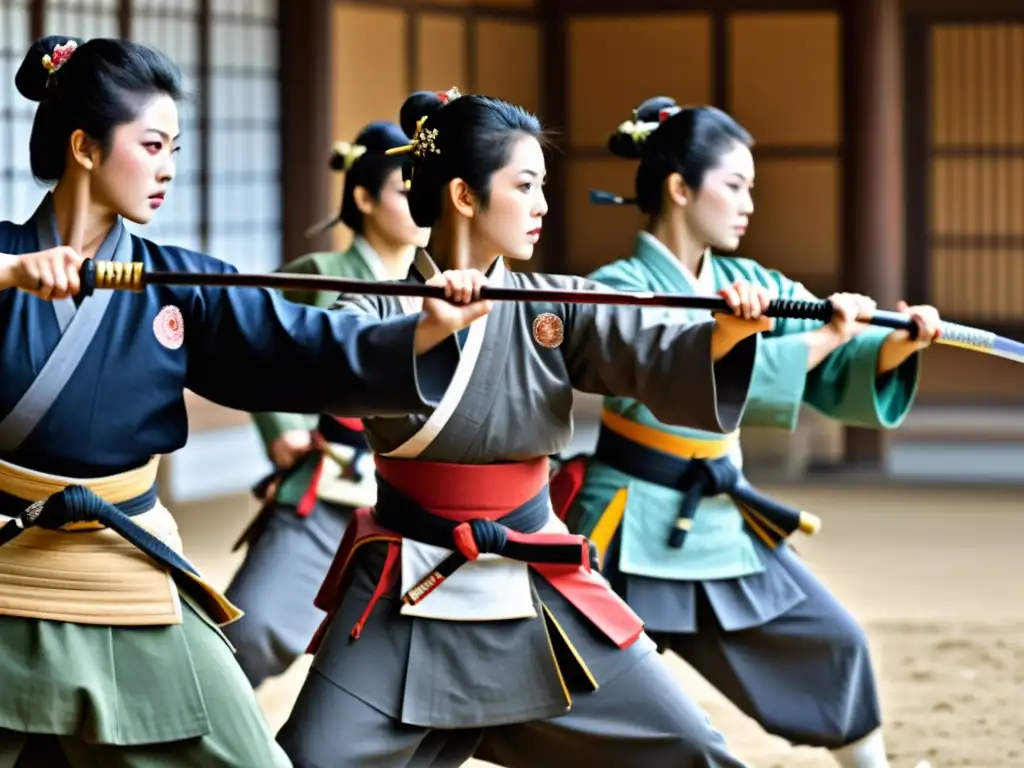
491,587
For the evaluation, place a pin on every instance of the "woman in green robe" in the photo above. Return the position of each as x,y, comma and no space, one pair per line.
685,539
323,470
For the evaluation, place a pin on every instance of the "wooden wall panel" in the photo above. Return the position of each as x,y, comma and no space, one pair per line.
617,62
977,196
508,61
480,5
978,85
441,52
795,223
498,4
599,234
785,84
369,66
979,284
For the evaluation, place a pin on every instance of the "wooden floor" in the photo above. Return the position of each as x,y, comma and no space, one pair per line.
935,575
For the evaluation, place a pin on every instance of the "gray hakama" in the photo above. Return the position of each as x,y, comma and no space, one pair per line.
777,644
545,691
283,569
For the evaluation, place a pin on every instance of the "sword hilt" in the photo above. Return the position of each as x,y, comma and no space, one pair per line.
111,275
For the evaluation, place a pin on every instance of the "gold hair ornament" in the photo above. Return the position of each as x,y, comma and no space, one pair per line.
424,141
638,131
349,153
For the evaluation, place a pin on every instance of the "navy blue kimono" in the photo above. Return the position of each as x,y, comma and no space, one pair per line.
243,348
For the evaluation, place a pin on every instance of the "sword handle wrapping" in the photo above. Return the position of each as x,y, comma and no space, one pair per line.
111,275
822,310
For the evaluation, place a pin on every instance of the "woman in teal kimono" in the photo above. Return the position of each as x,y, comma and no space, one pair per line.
682,534
322,468
110,651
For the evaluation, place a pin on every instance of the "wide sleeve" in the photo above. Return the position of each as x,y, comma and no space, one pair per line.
845,386
272,425
254,351
618,350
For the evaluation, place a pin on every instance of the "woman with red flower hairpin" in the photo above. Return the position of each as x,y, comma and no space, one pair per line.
463,618
110,651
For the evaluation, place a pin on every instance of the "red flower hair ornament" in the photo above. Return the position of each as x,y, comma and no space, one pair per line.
61,53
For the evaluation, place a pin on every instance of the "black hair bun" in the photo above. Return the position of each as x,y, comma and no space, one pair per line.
628,140
376,138
650,110
32,77
419,105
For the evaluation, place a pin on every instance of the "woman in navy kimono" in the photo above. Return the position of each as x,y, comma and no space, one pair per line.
119,660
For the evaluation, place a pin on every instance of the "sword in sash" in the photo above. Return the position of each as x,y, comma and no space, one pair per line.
133,276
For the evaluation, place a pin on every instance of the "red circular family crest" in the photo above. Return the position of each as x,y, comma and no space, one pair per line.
547,330
169,327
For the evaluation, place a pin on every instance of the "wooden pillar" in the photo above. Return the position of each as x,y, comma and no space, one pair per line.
872,200
555,116
304,42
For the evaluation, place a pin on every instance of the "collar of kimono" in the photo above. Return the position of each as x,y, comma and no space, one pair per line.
370,257
424,268
702,282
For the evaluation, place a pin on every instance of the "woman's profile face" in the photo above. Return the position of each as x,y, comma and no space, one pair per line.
511,222
390,213
719,212
134,177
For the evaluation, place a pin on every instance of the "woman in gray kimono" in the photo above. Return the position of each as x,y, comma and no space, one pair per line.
463,618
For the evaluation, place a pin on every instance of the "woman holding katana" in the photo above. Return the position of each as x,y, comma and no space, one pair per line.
462,616
110,652
699,554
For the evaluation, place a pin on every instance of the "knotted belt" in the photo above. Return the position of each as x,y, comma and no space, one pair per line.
632,449
64,505
78,508
513,535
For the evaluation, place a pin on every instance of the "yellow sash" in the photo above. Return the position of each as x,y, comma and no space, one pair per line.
675,445
87,574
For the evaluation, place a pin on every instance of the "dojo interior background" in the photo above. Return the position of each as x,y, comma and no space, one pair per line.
890,160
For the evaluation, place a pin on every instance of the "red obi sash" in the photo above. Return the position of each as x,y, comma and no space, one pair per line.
474,507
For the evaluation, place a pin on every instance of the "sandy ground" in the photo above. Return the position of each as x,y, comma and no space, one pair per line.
934,574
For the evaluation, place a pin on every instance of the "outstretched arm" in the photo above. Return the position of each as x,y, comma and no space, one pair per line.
258,352
859,375
688,374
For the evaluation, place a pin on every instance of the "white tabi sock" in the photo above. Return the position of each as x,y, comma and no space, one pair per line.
868,752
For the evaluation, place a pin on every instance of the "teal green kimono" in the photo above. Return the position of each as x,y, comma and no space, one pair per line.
752,619
844,387
359,262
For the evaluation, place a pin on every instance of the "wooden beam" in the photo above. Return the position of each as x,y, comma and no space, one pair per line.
203,109
761,152
36,19
555,116
305,32
479,10
967,10
640,7
872,211
917,163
